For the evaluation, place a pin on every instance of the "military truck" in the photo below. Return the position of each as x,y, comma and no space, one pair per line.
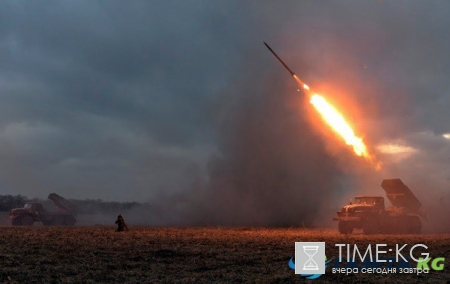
370,214
35,212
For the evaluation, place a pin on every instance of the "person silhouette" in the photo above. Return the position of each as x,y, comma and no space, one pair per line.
121,225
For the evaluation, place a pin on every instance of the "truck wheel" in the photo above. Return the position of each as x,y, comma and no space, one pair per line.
15,222
345,227
371,227
27,221
70,220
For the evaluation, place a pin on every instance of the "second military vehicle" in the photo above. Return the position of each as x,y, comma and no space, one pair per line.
35,212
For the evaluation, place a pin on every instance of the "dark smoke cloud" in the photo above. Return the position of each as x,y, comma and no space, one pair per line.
272,168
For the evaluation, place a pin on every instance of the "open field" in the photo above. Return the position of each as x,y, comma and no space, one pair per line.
184,255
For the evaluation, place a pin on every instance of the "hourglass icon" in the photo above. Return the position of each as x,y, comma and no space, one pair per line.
310,264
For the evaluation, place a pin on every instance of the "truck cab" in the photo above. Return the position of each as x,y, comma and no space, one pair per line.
362,203
26,215
374,201
34,208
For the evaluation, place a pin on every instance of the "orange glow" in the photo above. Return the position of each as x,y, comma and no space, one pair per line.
337,122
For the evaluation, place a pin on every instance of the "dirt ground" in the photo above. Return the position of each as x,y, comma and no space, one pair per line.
185,255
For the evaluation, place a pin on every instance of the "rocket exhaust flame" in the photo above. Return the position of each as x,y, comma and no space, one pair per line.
337,122
339,125
333,118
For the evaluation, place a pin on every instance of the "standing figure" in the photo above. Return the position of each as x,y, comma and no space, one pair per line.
121,226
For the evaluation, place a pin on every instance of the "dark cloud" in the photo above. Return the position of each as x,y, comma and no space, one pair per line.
180,101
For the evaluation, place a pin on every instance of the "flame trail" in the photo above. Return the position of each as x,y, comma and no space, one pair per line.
333,118
338,123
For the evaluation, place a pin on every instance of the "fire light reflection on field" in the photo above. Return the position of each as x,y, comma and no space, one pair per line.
201,255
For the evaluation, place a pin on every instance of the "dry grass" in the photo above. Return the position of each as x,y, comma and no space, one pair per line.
182,255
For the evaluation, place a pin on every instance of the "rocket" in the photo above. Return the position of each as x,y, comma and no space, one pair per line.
285,66
276,55
332,117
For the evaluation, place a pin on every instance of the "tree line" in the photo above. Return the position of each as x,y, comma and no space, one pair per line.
8,202
87,206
